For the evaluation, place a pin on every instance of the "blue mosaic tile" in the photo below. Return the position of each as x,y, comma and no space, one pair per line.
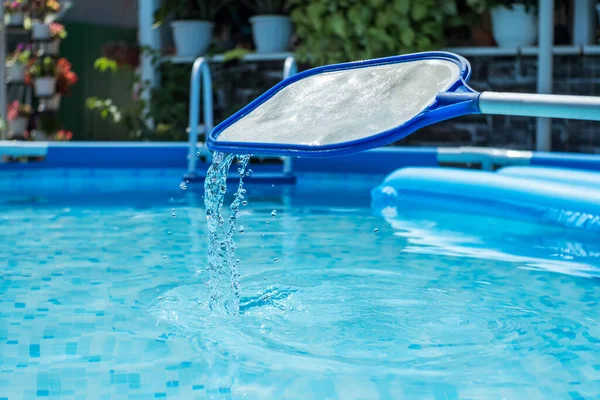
43,393
197,387
172,384
34,350
134,381
160,395
71,348
19,305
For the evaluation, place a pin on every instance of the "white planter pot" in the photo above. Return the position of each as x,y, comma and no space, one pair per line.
271,33
40,31
192,38
45,87
50,48
514,27
51,104
39,135
15,72
18,126
14,19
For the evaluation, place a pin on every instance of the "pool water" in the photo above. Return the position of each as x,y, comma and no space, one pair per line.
104,297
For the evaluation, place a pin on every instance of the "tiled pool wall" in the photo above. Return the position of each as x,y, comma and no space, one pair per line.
91,167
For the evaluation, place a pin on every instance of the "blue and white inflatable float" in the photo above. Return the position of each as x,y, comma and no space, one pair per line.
557,196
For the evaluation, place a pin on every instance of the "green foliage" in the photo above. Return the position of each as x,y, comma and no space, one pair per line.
267,7
235,54
103,64
43,67
203,10
167,106
333,31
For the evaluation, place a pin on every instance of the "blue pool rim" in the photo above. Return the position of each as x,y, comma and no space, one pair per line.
436,112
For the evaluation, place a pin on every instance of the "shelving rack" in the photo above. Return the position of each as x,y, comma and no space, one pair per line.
24,92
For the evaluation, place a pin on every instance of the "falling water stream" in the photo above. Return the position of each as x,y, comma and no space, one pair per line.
223,284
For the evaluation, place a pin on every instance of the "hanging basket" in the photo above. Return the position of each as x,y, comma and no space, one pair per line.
40,31
45,86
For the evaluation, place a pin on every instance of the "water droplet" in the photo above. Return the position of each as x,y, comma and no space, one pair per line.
244,203
197,154
242,229
272,185
238,261
286,254
273,213
265,278
169,232
182,186
250,170
248,173
267,222
263,235
164,256
202,237
173,213
275,259
376,230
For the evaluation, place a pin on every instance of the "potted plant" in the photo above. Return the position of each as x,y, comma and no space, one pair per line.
17,63
18,117
43,13
63,135
508,14
65,79
43,74
57,33
15,12
271,28
192,27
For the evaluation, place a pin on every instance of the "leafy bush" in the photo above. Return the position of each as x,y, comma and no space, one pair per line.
332,31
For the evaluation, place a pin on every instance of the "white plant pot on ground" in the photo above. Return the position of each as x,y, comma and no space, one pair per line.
15,72
17,126
14,19
192,38
45,86
514,27
271,33
40,31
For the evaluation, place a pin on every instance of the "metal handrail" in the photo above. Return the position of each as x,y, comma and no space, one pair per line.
201,78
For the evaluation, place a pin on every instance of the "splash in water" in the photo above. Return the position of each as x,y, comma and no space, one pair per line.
224,286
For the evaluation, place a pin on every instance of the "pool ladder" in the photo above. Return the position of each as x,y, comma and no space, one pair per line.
201,82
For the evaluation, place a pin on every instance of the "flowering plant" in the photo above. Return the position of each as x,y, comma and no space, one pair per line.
58,31
43,8
65,78
22,54
63,135
16,110
14,6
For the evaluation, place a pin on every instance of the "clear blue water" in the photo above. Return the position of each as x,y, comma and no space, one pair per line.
104,296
